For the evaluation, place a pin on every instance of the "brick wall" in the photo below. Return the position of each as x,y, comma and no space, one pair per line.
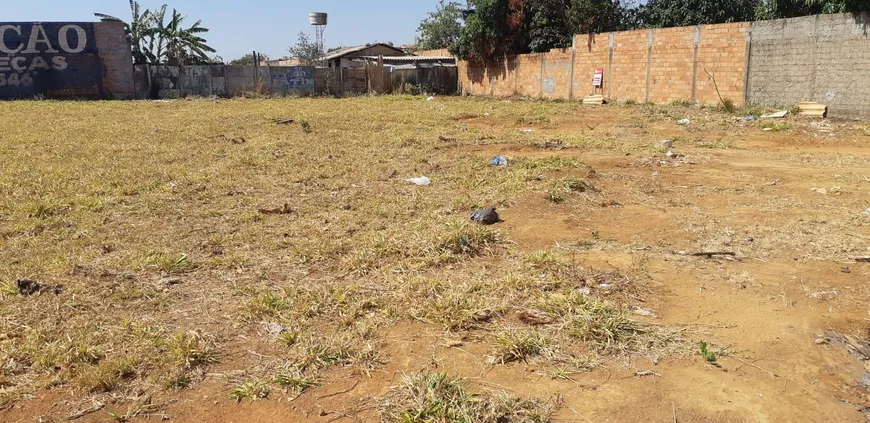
628,68
590,53
433,53
117,59
671,65
557,74
65,60
722,52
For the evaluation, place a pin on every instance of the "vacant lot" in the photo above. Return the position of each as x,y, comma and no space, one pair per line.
200,261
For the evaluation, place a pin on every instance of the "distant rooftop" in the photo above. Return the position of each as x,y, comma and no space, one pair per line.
335,54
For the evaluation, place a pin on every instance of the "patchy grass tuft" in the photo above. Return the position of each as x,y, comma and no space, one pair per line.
439,398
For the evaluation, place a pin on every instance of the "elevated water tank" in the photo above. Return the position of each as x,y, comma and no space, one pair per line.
317,18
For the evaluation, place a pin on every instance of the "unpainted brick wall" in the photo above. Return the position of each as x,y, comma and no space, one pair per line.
117,59
556,79
642,65
630,53
823,58
722,54
671,65
590,53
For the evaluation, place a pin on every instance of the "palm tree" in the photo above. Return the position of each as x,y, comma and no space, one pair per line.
140,27
183,45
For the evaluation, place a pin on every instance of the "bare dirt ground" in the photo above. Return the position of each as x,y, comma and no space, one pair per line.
200,262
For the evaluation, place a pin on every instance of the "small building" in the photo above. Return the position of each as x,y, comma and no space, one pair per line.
281,62
412,62
344,57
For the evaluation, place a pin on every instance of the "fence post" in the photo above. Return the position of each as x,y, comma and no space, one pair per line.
541,81
611,46
649,63
516,74
571,69
748,65
697,42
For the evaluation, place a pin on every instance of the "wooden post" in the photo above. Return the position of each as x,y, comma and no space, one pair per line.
256,64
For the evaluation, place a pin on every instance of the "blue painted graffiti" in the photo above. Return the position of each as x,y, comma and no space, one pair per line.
299,77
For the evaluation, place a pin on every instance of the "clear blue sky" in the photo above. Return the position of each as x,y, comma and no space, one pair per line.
239,27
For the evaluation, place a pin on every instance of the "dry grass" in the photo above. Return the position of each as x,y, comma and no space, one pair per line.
438,397
108,199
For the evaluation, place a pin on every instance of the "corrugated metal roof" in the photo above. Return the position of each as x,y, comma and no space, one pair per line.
348,50
413,58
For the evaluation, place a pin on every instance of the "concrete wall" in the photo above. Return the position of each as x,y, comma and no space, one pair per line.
159,81
823,58
65,59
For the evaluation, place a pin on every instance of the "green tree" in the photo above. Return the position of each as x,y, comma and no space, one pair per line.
306,51
773,9
441,29
668,13
500,27
141,27
154,41
248,60
183,45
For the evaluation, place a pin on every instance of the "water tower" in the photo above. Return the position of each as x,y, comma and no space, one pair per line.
318,20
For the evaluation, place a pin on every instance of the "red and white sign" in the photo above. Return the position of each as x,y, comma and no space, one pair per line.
598,78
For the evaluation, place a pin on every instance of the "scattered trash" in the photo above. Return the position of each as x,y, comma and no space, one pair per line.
554,145
822,341
29,287
813,109
536,318
275,329
684,122
612,203
750,118
500,161
285,209
445,139
775,115
644,373
421,181
604,285
279,154
748,240
585,291
856,346
667,144
285,121
767,129
170,281
825,294
430,99
528,131
826,191
867,212
487,216
644,312
846,269
596,100
865,259
706,254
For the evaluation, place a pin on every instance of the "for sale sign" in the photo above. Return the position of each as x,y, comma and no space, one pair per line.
49,58
598,78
